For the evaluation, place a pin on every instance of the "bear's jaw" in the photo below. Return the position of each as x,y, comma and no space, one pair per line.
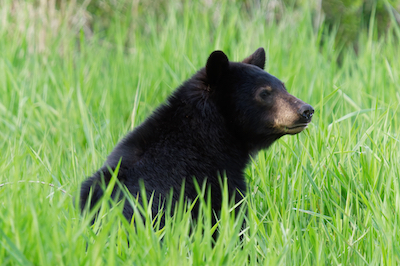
295,129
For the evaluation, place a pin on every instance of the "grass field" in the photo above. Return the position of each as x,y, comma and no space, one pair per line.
72,85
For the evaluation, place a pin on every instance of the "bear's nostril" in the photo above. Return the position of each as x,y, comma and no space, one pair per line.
306,111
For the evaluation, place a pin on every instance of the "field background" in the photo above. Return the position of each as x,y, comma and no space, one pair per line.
76,76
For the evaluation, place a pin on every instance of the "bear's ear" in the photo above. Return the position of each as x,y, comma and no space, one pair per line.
217,65
257,58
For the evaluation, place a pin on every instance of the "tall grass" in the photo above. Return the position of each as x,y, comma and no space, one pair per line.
72,85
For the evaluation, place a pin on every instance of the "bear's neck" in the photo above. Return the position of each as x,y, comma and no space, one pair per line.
188,126
198,130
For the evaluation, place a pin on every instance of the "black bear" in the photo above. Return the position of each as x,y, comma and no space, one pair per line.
209,127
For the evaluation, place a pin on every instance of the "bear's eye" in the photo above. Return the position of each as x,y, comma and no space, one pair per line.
264,94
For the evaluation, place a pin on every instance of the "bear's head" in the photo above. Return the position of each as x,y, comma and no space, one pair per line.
256,105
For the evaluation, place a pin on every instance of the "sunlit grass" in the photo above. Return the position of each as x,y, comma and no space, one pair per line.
328,196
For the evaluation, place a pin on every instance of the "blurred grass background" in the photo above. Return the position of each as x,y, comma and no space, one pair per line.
76,76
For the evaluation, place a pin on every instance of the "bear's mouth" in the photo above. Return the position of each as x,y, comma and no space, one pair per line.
296,128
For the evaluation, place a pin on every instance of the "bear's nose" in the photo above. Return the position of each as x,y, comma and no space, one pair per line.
306,111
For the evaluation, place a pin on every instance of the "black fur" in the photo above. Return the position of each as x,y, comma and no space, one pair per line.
208,128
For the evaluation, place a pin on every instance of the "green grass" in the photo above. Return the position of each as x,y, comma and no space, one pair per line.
328,196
